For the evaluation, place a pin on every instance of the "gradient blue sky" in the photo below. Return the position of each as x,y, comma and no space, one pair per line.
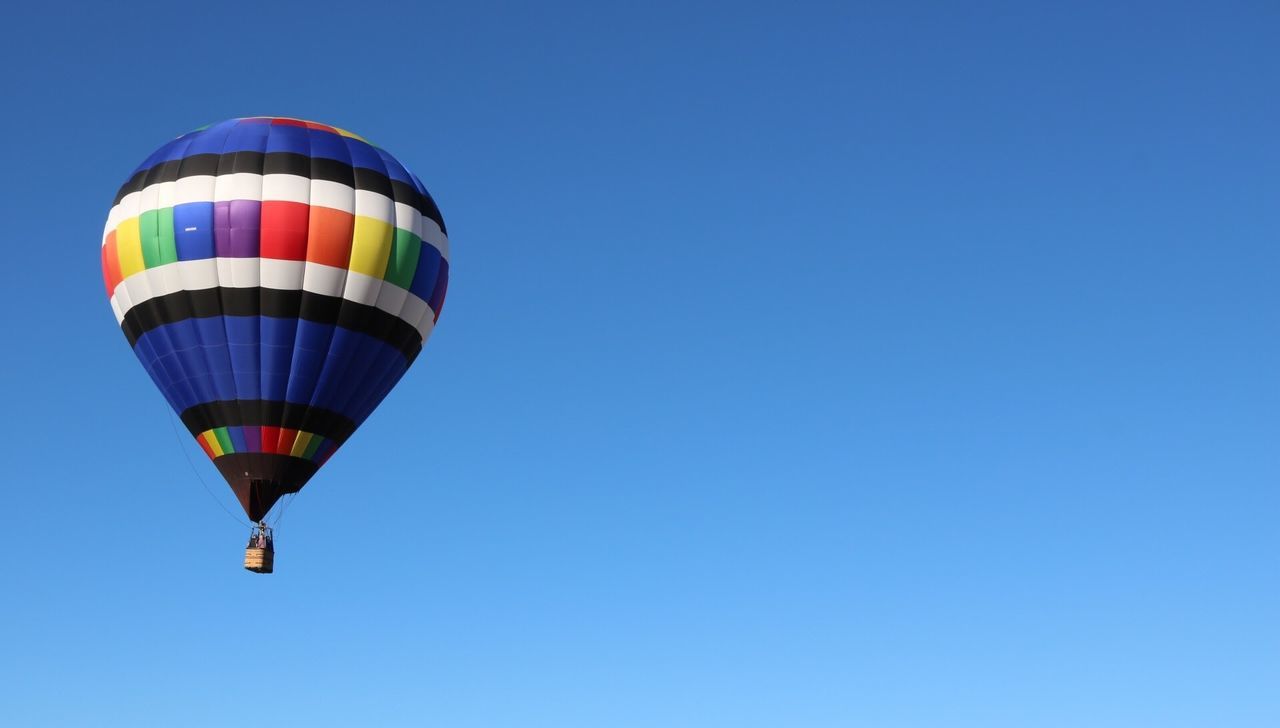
850,364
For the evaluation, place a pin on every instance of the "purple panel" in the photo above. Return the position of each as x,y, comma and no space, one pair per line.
253,439
236,232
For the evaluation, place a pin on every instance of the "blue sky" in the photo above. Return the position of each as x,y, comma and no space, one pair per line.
850,364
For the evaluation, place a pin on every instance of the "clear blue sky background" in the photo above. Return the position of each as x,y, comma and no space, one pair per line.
857,364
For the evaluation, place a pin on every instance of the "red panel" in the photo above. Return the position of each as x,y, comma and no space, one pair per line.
287,438
289,122
205,446
284,230
321,127
110,264
270,438
329,234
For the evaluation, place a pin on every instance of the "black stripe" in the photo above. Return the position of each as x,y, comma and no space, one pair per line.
206,302
257,412
329,170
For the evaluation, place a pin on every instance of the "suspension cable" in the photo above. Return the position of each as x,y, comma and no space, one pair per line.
200,477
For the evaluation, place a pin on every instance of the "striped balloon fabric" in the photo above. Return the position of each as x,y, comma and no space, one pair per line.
276,278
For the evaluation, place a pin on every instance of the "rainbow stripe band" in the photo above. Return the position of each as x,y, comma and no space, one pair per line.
309,446
277,230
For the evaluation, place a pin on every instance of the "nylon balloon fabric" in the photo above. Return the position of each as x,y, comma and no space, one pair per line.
276,278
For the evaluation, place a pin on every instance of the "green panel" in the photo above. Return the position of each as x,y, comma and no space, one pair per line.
164,231
312,446
224,440
404,258
148,223
155,228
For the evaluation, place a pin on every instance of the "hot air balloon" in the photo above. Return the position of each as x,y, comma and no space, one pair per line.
276,278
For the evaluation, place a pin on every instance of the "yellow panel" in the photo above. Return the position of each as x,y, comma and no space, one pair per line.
300,444
371,246
346,133
212,440
129,247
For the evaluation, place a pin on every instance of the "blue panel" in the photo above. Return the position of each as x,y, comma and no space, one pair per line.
193,230
417,183
275,361
163,382
334,383
155,350
308,359
289,138
394,169
247,136
363,155
162,154
211,140
340,382
382,378
361,375
275,387
325,450
442,285
243,333
329,145
244,365
306,368
182,338
278,332
424,277
236,435
276,355
313,336
350,377
217,365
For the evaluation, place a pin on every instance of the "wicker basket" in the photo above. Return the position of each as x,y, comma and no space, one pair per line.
259,560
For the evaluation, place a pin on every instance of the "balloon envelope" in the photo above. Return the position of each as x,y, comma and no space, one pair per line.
276,278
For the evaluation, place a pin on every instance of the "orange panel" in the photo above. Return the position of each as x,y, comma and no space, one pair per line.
329,236
111,264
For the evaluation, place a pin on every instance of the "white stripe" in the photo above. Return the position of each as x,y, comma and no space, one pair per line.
426,324
116,216
413,309
198,274
334,195
165,279
123,301
237,272
391,299
361,288
137,288
324,279
280,275
245,272
194,189
150,198
276,187
287,188
166,192
238,186
435,237
283,275
376,206
408,218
